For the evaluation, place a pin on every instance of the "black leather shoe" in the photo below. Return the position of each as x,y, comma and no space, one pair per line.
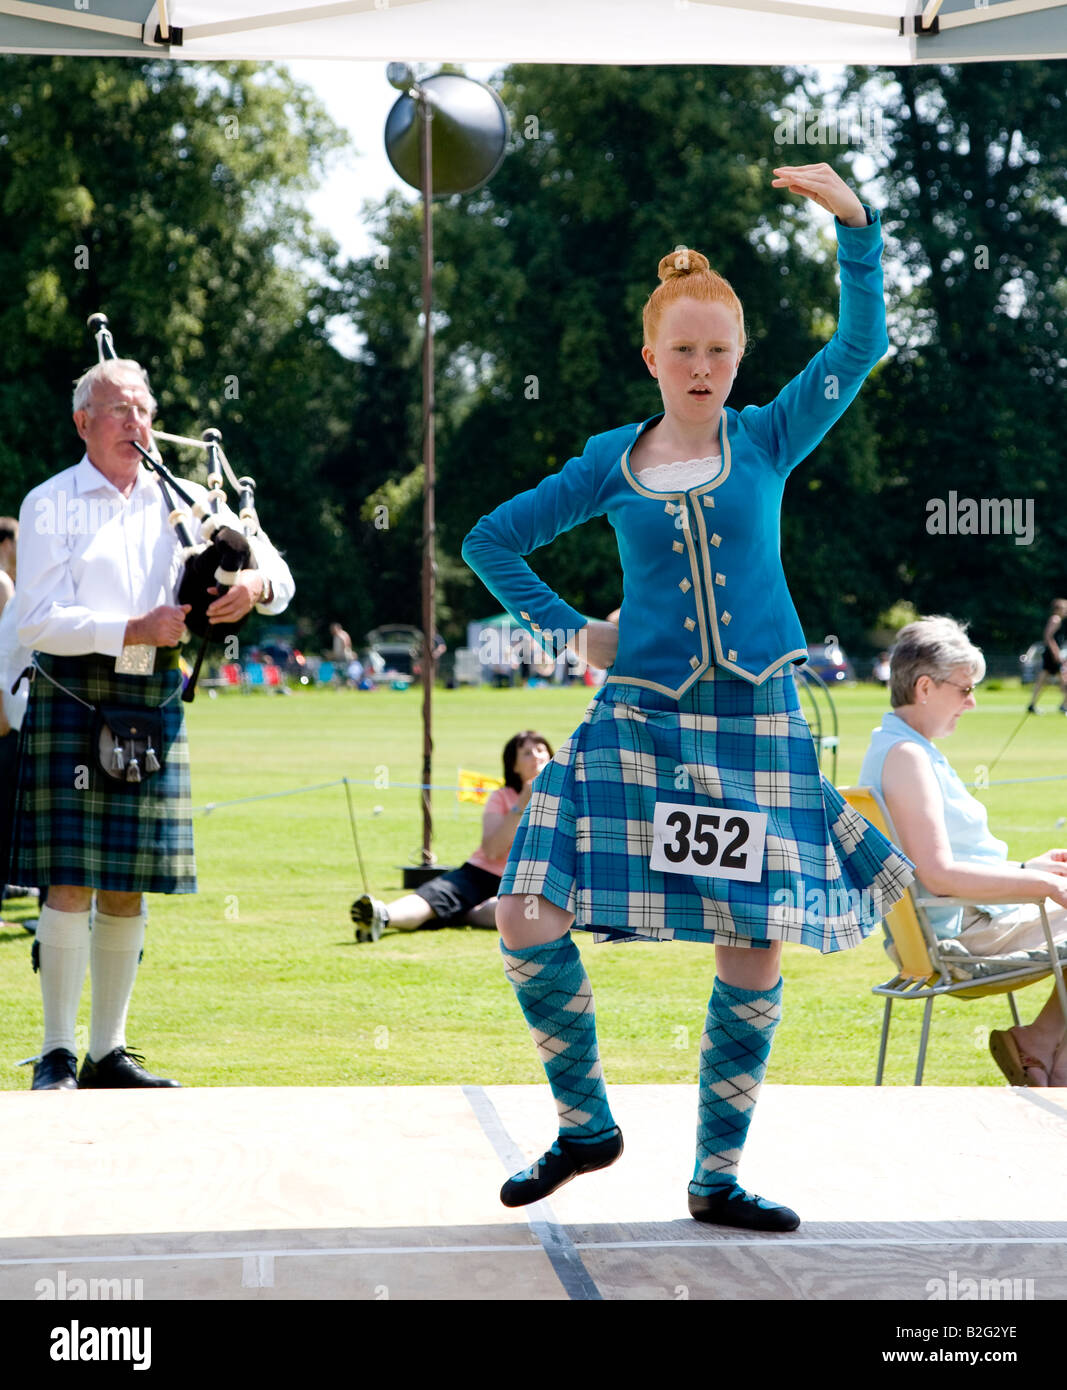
733,1206
118,1070
56,1071
563,1161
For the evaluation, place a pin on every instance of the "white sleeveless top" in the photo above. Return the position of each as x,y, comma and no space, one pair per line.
682,474
966,819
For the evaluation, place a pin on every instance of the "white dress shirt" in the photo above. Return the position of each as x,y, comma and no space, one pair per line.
90,559
13,661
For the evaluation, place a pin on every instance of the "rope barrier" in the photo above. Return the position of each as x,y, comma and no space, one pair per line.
210,806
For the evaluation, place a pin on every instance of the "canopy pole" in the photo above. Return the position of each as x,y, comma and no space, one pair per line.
429,560
306,14
78,19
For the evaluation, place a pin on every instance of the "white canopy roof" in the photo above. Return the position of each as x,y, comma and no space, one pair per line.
779,32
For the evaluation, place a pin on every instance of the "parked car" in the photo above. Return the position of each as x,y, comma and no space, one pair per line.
829,662
397,645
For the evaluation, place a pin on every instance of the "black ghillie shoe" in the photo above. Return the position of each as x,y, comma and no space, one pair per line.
733,1206
56,1071
563,1161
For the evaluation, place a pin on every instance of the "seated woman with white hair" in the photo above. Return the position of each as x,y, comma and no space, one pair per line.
945,832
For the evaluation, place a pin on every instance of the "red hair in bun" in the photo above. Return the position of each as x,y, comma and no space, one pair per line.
686,274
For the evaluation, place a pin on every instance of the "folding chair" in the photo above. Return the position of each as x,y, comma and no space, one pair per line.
924,960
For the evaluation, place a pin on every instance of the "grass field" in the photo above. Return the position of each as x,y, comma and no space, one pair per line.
257,979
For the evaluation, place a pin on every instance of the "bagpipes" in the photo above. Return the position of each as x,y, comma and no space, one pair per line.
224,552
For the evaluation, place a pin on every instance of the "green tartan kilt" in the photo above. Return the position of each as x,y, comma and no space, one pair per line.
76,826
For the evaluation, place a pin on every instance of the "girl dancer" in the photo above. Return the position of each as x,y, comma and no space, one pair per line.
688,804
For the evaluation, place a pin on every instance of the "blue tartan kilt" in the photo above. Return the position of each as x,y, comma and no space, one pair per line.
586,836
74,825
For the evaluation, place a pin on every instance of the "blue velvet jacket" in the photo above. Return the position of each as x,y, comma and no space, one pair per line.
702,573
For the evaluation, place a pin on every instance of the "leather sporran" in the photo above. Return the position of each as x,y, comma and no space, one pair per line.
128,743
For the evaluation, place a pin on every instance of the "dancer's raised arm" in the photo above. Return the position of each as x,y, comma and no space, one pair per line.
806,408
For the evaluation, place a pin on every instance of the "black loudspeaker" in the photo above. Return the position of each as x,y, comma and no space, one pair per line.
470,130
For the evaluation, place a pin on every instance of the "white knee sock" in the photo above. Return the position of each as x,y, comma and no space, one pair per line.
63,954
116,947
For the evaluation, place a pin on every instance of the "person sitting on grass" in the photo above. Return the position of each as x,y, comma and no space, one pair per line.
944,830
467,894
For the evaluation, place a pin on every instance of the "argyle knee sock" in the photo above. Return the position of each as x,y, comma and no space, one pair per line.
63,955
556,998
114,953
733,1059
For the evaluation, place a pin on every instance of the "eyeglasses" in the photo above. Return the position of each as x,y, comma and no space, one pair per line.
963,689
122,411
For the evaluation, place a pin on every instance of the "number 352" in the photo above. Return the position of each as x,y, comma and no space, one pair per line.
719,844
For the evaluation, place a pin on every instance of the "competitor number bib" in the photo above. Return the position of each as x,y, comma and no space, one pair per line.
719,844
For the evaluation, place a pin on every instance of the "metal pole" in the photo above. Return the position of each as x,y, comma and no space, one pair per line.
429,562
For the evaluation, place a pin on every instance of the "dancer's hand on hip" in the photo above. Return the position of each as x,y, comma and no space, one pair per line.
597,643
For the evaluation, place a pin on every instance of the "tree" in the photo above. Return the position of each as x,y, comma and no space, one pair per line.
171,197
972,401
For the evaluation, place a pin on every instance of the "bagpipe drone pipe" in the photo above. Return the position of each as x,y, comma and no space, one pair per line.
213,564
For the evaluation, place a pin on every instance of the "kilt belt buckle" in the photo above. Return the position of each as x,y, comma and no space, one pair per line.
126,740
136,660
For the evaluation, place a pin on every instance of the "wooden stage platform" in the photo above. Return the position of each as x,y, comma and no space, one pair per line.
391,1192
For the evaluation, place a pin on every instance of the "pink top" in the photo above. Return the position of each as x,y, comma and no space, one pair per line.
500,801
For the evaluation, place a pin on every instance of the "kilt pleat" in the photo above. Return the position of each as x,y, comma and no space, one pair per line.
73,824
586,836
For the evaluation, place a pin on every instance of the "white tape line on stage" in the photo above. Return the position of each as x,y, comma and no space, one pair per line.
715,1243
311,1252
